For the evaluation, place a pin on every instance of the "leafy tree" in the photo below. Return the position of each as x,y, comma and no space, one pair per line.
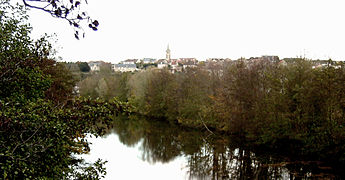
194,97
63,81
87,86
84,67
102,89
41,128
240,95
137,85
105,85
118,85
157,95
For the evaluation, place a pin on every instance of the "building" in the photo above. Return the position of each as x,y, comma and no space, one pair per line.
124,67
216,60
270,58
188,62
175,65
130,61
189,65
162,63
95,65
148,61
255,59
168,54
282,63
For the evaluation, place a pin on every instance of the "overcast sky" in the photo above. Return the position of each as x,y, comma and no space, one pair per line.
202,29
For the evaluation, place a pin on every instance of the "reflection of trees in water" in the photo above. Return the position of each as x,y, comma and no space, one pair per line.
160,148
129,131
163,142
229,163
226,161
209,157
160,143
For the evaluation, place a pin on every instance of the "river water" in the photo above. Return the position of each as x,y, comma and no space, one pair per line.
136,148
126,162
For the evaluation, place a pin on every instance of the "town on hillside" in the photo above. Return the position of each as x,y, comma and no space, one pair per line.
181,64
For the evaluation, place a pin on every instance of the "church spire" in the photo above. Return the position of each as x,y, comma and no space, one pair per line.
168,53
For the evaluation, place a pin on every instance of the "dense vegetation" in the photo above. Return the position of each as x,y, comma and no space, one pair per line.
289,106
41,127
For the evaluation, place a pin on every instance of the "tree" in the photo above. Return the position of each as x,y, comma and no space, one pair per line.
62,81
68,10
194,96
158,92
84,67
41,128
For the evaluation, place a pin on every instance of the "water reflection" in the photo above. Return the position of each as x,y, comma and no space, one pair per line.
209,156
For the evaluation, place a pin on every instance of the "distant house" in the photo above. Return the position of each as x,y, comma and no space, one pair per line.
254,59
175,66
162,65
189,65
124,67
130,61
188,60
216,60
270,58
317,66
282,63
174,62
148,60
95,65
327,63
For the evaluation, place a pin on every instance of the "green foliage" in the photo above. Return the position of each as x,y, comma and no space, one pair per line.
105,86
38,139
179,97
194,96
41,128
105,69
137,85
62,81
20,57
302,106
285,107
157,95
88,171
84,67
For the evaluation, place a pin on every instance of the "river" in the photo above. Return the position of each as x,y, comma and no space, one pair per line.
136,148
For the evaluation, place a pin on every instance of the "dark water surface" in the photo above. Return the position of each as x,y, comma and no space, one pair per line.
136,148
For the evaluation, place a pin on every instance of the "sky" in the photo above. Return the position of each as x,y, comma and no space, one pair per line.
201,29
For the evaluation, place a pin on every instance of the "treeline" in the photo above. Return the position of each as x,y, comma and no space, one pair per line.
105,85
263,101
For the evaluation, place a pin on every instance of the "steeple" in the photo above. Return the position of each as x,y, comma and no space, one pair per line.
168,53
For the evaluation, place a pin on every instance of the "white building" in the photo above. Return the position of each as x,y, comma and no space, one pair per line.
162,65
130,61
124,67
148,60
95,65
